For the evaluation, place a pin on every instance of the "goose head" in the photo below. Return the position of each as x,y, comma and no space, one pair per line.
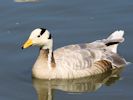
40,37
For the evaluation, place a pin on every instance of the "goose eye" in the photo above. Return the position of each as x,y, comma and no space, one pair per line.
38,36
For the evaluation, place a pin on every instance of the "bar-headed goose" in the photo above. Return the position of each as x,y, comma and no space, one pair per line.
74,61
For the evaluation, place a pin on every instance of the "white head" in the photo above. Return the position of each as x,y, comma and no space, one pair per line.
40,37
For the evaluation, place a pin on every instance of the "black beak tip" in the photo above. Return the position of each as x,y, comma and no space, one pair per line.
22,47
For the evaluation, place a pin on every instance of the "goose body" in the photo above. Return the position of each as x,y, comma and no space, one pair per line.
74,61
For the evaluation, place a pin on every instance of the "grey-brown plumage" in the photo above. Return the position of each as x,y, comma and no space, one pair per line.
75,61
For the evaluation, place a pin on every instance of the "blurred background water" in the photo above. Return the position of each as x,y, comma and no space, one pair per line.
69,22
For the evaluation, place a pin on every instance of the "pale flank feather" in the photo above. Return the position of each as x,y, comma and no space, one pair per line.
116,35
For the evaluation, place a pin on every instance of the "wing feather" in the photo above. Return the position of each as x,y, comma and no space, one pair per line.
82,56
76,57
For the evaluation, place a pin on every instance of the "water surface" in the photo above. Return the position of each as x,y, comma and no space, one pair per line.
69,22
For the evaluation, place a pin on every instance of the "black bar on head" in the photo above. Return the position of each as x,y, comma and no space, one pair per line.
42,31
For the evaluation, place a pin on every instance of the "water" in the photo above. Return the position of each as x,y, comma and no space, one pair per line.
69,22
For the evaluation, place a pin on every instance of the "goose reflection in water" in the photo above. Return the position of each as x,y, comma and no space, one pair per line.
27,0
45,88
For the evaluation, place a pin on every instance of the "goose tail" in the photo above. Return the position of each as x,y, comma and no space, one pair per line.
114,39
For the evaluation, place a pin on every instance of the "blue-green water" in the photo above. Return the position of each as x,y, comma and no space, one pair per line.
69,22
